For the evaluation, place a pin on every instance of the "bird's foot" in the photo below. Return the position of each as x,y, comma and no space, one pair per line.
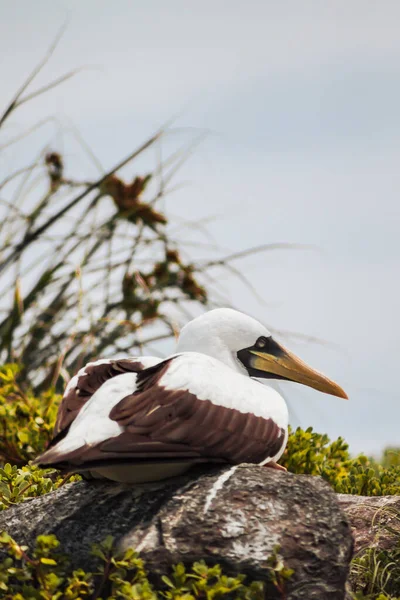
273,465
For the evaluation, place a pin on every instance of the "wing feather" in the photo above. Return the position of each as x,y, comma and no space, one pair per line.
88,380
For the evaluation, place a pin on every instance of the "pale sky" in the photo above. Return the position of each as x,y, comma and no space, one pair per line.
302,102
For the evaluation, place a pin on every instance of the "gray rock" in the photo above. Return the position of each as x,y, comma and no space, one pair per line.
375,523
233,516
375,520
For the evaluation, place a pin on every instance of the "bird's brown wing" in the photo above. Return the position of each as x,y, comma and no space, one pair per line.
88,380
174,424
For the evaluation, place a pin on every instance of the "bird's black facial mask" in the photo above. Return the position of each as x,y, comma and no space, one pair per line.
266,345
269,360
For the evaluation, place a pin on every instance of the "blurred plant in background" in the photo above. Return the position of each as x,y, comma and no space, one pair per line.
90,267
80,276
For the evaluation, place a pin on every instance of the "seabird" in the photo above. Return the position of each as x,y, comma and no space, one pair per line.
146,419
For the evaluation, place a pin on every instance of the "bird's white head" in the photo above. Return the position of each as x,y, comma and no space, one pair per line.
219,329
246,345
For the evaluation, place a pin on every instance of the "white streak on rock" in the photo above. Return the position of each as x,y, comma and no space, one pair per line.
217,486
150,539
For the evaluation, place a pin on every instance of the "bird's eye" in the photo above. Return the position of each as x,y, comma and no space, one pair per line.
261,342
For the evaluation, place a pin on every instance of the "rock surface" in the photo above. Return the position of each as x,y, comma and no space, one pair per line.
375,520
233,516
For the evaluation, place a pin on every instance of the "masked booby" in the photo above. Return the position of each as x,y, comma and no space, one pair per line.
146,419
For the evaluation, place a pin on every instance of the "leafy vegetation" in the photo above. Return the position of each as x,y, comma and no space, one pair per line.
19,484
46,574
314,454
26,420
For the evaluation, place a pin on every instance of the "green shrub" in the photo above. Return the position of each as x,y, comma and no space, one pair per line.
26,420
391,457
314,454
26,423
18,484
46,574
